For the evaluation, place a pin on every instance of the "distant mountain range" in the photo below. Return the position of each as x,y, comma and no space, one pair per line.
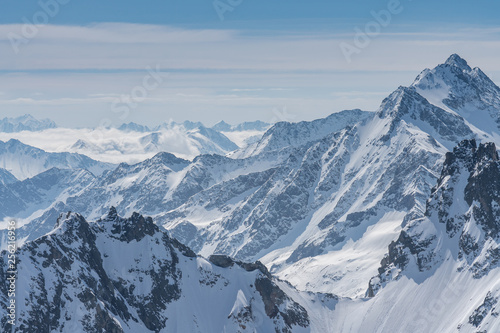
133,142
25,123
24,161
258,125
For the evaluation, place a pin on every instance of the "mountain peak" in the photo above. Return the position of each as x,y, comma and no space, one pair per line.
467,92
222,123
74,224
25,123
457,61
26,117
112,214
134,127
168,159
14,142
222,126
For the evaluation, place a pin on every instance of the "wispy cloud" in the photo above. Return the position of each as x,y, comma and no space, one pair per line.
78,71
133,46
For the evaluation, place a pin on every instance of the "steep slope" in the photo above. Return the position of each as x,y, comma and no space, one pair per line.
126,275
211,141
6,177
21,199
442,273
326,195
25,161
286,134
157,185
461,220
25,123
469,92
222,126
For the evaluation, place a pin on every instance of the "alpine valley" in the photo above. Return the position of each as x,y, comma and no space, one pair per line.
384,221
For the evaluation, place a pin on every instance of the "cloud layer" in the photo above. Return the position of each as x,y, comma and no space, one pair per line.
71,72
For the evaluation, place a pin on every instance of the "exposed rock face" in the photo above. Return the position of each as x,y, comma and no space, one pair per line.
489,307
226,261
278,305
462,216
126,275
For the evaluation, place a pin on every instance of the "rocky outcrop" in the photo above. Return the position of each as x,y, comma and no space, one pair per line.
126,275
463,212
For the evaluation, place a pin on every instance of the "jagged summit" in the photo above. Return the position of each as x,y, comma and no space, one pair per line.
90,277
457,88
222,126
406,104
112,214
67,218
456,60
470,154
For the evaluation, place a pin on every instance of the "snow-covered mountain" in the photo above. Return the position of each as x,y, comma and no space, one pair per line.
457,88
188,125
258,125
442,272
126,275
25,123
157,185
323,197
212,140
134,127
132,143
21,199
284,134
243,134
25,161
460,223
6,177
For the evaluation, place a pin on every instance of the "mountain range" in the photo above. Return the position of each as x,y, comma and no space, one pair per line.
25,161
25,123
390,215
126,275
133,142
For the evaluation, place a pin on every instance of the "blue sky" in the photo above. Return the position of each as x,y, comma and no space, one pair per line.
201,12
268,60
